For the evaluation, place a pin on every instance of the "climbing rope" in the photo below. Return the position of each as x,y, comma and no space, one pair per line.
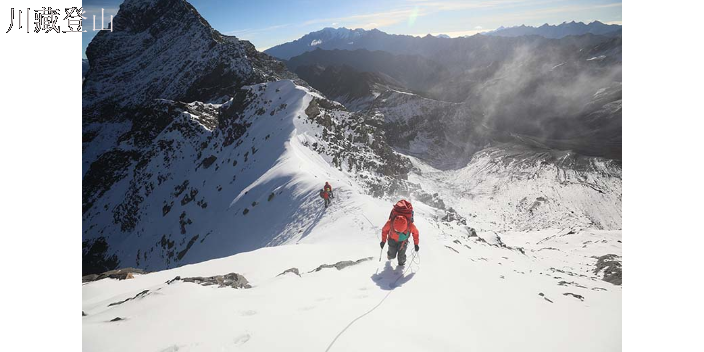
376,306
370,223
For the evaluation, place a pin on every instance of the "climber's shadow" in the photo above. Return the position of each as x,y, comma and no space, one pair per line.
390,278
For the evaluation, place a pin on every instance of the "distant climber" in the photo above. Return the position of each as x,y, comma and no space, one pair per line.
328,189
398,229
325,196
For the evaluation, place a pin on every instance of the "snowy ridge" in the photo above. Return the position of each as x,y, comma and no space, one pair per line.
218,191
456,295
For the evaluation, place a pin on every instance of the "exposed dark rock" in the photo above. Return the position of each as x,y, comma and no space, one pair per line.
95,257
89,278
452,216
545,298
167,208
579,297
117,319
233,280
84,314
292,270
119,274
611,265
209,161
122,274
139,295
182,253
571,283
169,282
340,265
452,249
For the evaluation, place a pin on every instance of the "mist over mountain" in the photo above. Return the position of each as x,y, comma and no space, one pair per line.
559,93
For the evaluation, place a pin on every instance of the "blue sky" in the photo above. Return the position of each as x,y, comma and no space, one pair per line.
270,22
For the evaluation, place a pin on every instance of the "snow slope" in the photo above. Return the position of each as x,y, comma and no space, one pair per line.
461,293
205,211
513,187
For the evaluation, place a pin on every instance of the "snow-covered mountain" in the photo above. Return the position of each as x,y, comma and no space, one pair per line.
323,38
202,159
177,179
468,50
559,31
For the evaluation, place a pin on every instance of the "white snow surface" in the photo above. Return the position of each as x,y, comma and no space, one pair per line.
460,293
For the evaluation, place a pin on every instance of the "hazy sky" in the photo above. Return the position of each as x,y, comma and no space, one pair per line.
270,22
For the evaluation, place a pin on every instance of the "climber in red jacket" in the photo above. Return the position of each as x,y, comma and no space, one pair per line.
398,229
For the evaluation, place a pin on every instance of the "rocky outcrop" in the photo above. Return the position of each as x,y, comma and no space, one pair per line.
610,265
341,265
291,270
232,280
137,296
119,274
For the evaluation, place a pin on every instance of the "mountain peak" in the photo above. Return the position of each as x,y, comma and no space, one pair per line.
193,61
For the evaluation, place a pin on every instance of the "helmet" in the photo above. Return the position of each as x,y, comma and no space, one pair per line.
400,224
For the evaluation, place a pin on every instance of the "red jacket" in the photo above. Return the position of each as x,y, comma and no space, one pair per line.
388,232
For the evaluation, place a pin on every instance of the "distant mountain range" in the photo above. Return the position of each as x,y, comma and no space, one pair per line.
558,31
352,39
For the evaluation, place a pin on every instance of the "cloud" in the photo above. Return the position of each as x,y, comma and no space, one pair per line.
478,27
368,20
